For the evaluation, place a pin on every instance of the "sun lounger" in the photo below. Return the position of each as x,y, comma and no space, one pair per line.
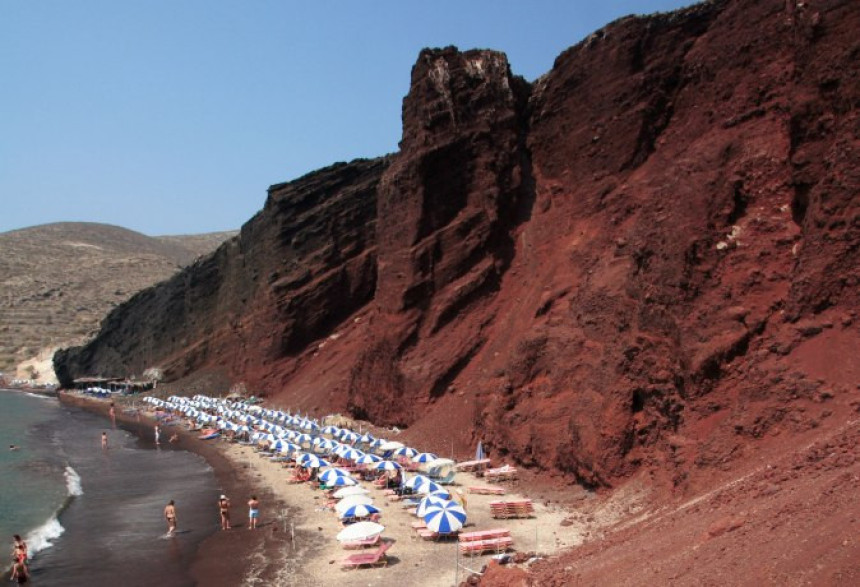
477,465
497,545
512,509
478,535
373,541
372,559
431,535
483,490
505,473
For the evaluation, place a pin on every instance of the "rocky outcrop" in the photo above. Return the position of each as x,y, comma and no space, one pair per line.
645,259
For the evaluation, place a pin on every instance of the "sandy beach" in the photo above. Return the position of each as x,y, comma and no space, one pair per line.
295,542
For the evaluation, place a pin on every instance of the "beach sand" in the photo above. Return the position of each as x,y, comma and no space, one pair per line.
295,543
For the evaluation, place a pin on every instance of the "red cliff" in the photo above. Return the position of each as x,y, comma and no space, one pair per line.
647,258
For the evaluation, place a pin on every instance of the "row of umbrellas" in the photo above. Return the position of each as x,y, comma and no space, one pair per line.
288,434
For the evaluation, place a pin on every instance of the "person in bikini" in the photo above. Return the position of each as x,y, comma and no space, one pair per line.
170,516
224,508
253,512
19,548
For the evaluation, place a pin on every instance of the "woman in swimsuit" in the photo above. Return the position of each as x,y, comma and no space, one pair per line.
19,548
170,516
253,512
224,508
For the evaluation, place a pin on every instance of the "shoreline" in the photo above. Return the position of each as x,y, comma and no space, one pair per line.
222,557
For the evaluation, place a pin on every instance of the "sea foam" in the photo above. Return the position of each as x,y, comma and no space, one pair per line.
43,536
73,482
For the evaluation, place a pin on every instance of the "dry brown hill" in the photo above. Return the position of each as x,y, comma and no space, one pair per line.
59,280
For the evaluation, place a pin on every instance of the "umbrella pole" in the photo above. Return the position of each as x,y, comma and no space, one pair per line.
457,566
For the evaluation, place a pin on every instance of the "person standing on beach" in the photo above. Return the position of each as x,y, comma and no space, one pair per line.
104,440
224,509
253,512
19,548
157,435
170,516
112,412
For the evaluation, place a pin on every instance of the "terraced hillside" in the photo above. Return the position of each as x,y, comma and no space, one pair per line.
57,281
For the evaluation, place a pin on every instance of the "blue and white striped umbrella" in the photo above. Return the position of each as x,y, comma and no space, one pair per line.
406,451
387,466
340,481
367,438
445,518
311,461
425,503
289,447
358,511
415,481
428,487
368,459
303,439
424,457
331,474
350,437
330,430
352,454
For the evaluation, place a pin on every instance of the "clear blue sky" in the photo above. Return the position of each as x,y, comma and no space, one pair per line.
174,116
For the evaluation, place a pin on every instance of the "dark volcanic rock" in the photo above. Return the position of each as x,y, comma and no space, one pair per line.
645,258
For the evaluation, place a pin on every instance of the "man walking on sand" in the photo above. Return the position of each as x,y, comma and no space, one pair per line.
170,516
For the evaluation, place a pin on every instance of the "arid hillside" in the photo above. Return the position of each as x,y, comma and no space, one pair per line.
645,260
60,280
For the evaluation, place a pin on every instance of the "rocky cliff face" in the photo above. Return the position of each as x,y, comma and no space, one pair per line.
647,257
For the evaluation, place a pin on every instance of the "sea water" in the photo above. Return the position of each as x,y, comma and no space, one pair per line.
92,516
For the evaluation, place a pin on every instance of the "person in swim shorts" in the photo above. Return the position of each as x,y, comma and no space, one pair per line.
224,509
253,512
170,516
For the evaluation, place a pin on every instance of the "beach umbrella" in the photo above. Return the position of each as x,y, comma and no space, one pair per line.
406,451
387,466
444,518
424,457
421,510
289,447
351,490
311,461
341,481
331,474
351,500
415,481
428,487
391,445
350,437
330,430
360,531
367,438
352,454
368,459
303,439
376,443
358,511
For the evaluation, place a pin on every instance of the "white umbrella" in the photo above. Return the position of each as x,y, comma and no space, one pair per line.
391,445
360,531
352,490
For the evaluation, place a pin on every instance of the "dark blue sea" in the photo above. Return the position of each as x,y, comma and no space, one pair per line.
92,516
